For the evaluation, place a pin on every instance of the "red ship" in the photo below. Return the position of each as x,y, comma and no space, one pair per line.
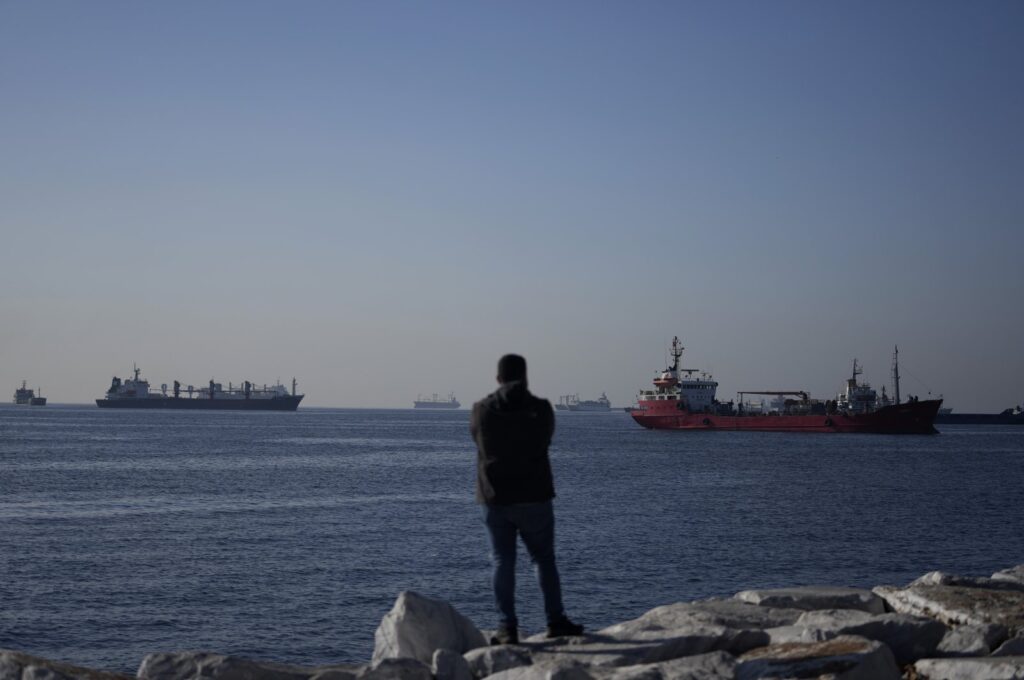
684,399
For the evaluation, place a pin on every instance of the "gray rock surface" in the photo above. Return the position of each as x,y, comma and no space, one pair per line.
955,605
1015,574
189,665
485,661
394,669
711,666
984,668
1012,647
537,672
418,625
731,613
909,637
971,640
846,657
815,597
941,578
629,648
449,665
20,666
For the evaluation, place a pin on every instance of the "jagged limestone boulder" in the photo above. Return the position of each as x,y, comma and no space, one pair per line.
847,657
645,647
189,665
396,669
1012,647
417,626
710,666
537,672
971,640
485,661
983,668
1014,574
909,637
958,605
20,666
815,597
731,613
941,578
449,665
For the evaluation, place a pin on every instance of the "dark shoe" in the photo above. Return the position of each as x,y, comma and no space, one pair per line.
505,636
563,627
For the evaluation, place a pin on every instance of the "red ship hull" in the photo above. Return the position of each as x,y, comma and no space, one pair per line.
914,417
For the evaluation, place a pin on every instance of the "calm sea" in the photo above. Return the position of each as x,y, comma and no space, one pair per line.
287,536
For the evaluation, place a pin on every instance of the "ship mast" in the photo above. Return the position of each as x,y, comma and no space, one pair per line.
677,353
896,372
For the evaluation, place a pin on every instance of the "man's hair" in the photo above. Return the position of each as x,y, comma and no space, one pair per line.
511,367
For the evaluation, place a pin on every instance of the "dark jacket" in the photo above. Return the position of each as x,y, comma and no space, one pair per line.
512,430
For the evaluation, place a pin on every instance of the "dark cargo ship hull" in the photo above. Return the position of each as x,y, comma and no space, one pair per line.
289,403
980,419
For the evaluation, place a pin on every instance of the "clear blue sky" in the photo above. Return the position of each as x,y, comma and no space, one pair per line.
380,198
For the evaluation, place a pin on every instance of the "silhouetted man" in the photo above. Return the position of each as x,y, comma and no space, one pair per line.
512,429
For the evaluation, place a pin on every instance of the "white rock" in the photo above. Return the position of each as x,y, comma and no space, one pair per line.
485,661
972,639
536,672
983,668
909,637
188,665
941,578
418,625
645,647
396,669
955,605
18,665
846,657
731,613
815,597
711,666
449,665
1015,574
336,673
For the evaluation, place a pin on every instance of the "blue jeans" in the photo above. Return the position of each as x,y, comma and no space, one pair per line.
535,522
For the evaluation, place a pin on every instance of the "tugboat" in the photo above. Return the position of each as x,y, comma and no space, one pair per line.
435,402
681,401
134,393
28,397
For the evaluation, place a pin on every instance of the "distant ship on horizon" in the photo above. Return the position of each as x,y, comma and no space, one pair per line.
572,402
26,396
134,393
436,402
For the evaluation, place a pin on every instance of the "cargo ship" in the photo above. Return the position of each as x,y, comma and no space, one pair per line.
684,399
435,402
26,396
1010,416
134,392
572,402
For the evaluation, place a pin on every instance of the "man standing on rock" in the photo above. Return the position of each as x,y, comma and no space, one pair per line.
512,430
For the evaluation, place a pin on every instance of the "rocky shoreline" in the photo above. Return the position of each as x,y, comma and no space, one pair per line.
941,626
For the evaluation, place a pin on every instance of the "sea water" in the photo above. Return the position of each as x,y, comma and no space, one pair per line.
287,536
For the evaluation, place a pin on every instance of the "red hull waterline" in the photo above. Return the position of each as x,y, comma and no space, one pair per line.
915,417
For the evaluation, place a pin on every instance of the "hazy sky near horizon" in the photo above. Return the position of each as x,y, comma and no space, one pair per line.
380,198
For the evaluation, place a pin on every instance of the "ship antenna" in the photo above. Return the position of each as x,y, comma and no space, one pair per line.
896,372
677,353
